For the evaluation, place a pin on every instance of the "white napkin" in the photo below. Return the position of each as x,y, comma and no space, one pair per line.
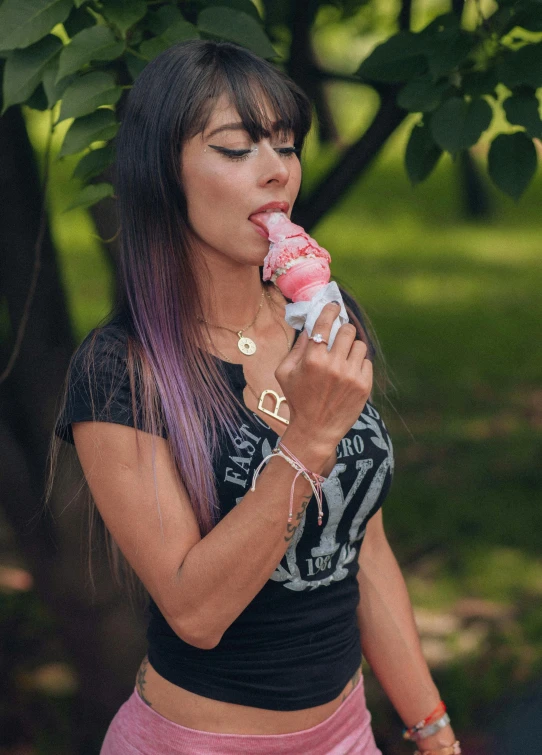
303,314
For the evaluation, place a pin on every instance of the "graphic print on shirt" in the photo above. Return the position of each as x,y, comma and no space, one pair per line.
328,557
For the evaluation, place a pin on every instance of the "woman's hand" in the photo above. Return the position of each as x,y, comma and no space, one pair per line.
326,390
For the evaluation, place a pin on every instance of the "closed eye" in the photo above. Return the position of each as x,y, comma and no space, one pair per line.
242,154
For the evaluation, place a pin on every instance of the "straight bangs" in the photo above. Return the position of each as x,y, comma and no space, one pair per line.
250,85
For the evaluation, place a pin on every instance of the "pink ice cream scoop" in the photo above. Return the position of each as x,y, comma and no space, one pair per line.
295,261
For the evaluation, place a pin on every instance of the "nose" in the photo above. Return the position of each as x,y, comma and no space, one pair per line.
273,166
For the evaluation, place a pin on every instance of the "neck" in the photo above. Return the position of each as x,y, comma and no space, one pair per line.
234,302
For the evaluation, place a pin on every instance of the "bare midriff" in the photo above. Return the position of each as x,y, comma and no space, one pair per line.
205,714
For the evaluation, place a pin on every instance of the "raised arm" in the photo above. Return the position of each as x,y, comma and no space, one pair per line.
201,585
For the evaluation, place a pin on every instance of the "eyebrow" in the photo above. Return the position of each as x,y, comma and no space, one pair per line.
239,127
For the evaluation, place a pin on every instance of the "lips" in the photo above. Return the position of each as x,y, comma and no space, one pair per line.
275,205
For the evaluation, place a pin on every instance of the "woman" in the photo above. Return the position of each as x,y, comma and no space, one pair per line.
256,623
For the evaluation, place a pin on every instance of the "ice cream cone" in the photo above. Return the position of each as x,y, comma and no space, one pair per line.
301,281
296,263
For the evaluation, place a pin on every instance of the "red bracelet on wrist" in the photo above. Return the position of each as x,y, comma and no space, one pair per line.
408,733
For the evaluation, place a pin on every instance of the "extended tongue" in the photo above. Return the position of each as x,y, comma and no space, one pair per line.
267,218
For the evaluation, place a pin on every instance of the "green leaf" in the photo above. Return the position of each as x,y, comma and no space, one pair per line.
247,6
96,43
124,13
236,26
24,69
178,30
158,22
450,50
422,154
78,20
87,93
523,66
96,127
528,16
53,90
38,100
400,58
90,195
512,163
457,125
476,83
134,65
23,22
421,95
443,24
524,110
94,163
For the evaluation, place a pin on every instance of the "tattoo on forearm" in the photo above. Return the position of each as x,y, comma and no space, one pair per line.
290,527
141,681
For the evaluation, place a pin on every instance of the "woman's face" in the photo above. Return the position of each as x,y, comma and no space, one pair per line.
223,189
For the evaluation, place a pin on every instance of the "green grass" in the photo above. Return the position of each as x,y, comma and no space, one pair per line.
456,305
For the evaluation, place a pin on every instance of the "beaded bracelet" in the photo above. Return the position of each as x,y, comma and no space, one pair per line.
410,733
431,729
454,749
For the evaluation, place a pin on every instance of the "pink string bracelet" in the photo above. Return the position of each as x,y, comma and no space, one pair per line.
313,478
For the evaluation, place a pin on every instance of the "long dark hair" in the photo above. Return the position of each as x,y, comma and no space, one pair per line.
182,386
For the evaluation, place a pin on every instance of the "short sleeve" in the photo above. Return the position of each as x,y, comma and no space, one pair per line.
98,384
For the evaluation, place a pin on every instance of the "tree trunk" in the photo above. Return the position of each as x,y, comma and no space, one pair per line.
353,162
102,637
303,68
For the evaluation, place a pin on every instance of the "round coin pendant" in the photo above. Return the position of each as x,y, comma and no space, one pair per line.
246,345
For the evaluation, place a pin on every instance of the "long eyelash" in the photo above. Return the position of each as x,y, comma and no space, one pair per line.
242,154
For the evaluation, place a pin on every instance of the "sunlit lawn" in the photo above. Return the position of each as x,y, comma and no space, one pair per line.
457,308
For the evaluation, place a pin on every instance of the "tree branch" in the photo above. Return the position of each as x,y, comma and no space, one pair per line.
302,66
457,7
355,160
405,14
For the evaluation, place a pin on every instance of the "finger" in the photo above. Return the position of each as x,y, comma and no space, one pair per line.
367,373
357,355
324,323
344,339
295,355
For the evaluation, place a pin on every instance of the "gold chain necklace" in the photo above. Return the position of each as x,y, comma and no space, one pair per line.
267,391
244,344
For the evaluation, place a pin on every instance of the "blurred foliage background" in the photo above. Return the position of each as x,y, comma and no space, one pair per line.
451,282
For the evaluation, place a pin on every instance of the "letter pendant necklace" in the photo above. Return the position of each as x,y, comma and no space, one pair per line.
278,401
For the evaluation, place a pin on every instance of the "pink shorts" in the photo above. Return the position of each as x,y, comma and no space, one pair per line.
137,729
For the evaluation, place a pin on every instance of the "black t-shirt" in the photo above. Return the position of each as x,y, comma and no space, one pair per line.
297,643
